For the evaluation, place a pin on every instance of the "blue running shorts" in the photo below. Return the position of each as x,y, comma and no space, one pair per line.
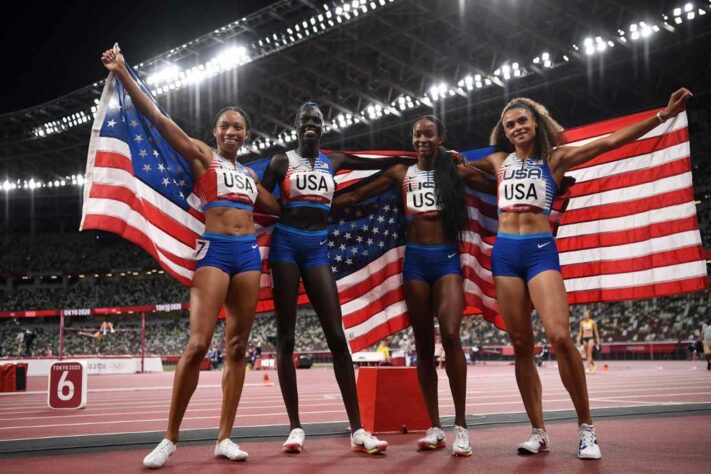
306,248
524,256
430,262
232,254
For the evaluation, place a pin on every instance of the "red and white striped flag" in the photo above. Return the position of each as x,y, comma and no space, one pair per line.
630,230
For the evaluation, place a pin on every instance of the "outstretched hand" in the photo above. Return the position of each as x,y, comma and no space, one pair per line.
113,59
677,102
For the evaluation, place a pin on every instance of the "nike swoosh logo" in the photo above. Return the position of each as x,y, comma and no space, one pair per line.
452,255
255,246
540,246
323,242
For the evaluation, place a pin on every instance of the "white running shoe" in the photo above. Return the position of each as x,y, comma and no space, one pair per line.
160,454
361,440
295,441
226,448
538,441
434,438
461,446
588,447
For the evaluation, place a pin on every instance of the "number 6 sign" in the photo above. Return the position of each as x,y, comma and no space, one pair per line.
67,384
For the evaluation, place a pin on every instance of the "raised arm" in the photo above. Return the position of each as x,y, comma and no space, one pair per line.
341,160
566,157
175,136
265,199
389,179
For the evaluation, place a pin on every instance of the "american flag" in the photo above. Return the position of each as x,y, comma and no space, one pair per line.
630,230
137,186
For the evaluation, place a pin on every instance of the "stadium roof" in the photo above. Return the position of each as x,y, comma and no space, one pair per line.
375,65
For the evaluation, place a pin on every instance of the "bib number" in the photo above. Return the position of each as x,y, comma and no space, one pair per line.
522,193
201,248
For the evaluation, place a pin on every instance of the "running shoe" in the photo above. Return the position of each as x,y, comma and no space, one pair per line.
588,447
461,446
538,441
226,448
295,441
361,440
434,438
159,456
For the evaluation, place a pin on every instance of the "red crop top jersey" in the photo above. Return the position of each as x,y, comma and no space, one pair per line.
226,184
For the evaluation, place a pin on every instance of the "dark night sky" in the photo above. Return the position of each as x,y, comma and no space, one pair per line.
48,49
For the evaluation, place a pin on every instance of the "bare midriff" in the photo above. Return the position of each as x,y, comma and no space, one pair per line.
229,221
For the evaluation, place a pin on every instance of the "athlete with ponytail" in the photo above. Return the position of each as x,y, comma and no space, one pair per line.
228,265
433,197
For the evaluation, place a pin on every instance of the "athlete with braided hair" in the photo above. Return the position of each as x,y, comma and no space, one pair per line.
433,196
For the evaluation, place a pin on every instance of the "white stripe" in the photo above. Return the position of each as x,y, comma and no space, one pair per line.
375,266
644,277
476,239
376,320
373,294
634,163
113,145
634,221
634,250
485,197
469,261
632,193
474,289
119,177
677,123
120,210
93,141
354,175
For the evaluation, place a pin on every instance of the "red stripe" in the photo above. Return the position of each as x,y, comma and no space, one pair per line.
639,147
634,264
376,306
151,213
656,290
628,236
379,332
109,159
606,126
121,227
608,211
635,178
371,281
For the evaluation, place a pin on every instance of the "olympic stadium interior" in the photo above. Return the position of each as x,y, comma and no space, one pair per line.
373,66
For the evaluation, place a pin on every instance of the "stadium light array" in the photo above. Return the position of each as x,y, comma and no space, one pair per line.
171,77
32,183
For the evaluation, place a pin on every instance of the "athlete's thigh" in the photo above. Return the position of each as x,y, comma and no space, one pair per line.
241,304
207,295
550,300
515,306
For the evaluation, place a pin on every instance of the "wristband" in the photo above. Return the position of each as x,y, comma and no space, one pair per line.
660,118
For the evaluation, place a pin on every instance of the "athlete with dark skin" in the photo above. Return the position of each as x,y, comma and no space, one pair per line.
211,287
442,295
304,222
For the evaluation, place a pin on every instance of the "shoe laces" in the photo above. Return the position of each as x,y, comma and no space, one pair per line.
433,431
587,438
461,436
164,446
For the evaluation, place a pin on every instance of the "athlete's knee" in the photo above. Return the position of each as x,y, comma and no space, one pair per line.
195,350
450,339
285,345
562,342
338,345
236,349
522,345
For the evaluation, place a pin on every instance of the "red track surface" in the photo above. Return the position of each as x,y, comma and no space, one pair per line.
139,403
629,445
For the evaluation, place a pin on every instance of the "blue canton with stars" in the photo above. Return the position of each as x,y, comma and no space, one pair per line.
154,161
361,234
